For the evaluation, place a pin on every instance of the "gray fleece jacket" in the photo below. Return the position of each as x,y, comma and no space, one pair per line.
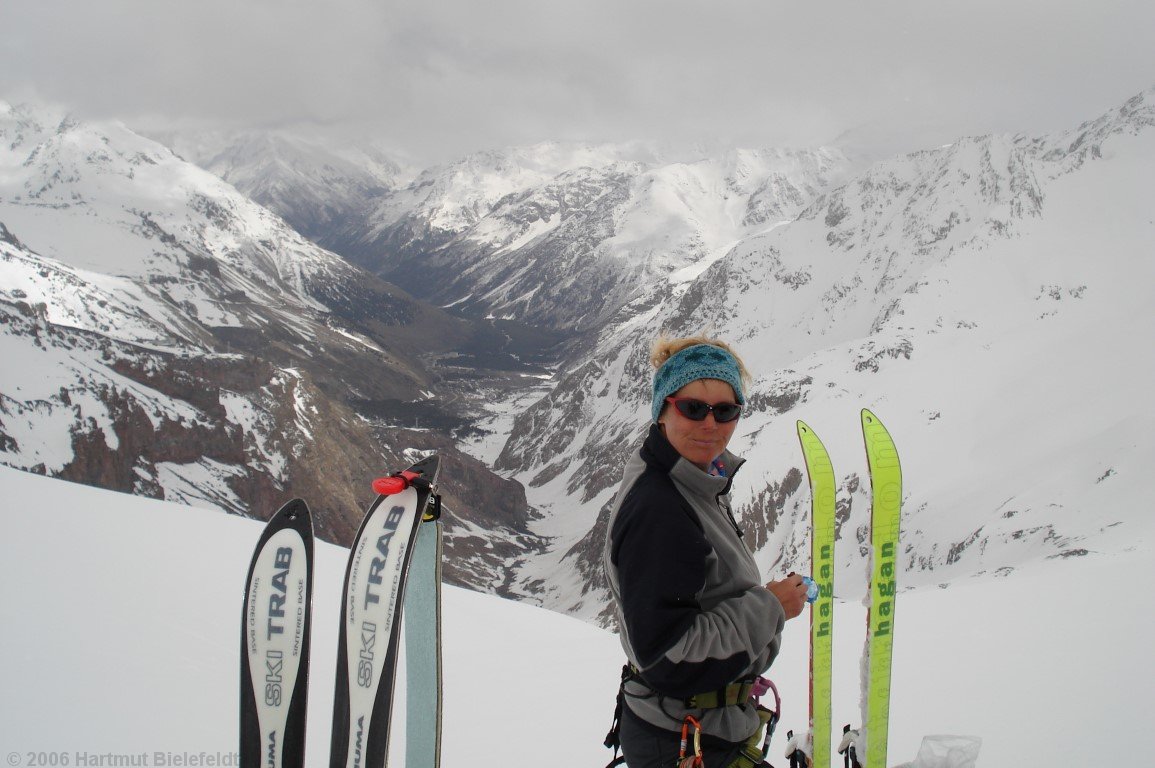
692,610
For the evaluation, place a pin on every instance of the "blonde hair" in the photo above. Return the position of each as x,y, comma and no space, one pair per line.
665,347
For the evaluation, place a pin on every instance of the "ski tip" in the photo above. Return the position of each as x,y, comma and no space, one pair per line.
293,510
869,419
802,427
294,515
427,467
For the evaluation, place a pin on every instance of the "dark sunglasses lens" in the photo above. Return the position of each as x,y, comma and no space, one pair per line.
694,410
724,412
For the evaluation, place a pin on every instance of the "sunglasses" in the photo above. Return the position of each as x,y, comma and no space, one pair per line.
696,410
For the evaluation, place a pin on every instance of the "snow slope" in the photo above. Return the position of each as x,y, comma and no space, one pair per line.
144,654
121,617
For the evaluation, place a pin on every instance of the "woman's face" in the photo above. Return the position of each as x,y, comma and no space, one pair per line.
699,442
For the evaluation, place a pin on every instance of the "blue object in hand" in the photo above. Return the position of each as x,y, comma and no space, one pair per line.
811,589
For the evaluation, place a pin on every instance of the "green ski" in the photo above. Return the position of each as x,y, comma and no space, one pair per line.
822,493
886,507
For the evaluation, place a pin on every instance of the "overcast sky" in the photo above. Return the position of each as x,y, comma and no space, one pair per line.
442,77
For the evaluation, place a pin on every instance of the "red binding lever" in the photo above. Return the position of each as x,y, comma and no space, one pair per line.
388,486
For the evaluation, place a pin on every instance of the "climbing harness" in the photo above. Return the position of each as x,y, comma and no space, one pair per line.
752,754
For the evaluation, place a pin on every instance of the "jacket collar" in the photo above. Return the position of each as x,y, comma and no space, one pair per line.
658,453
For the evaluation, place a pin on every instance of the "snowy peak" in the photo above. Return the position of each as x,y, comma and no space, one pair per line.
452,198
260,158
557,234
135,210
310,182
524,233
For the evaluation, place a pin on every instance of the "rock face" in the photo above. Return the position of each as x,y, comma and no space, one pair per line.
225,429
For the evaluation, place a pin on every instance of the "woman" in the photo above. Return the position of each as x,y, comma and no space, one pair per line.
696,622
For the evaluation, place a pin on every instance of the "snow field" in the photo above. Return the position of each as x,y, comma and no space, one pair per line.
121,635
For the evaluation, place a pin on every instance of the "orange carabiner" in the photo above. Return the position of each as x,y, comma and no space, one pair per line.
695,760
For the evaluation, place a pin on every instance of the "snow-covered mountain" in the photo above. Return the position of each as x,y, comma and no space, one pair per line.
570,252
556,235
979,297
984,299
165,335
323,189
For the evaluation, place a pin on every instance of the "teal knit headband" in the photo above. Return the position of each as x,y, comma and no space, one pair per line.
701,361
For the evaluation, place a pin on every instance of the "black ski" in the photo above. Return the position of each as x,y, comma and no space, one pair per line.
275,629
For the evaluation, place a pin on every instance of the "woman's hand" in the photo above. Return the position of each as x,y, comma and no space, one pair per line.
791,592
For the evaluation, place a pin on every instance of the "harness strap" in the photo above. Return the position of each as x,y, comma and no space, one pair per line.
614,737
730,696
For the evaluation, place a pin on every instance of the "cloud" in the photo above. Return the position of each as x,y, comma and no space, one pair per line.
456,75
